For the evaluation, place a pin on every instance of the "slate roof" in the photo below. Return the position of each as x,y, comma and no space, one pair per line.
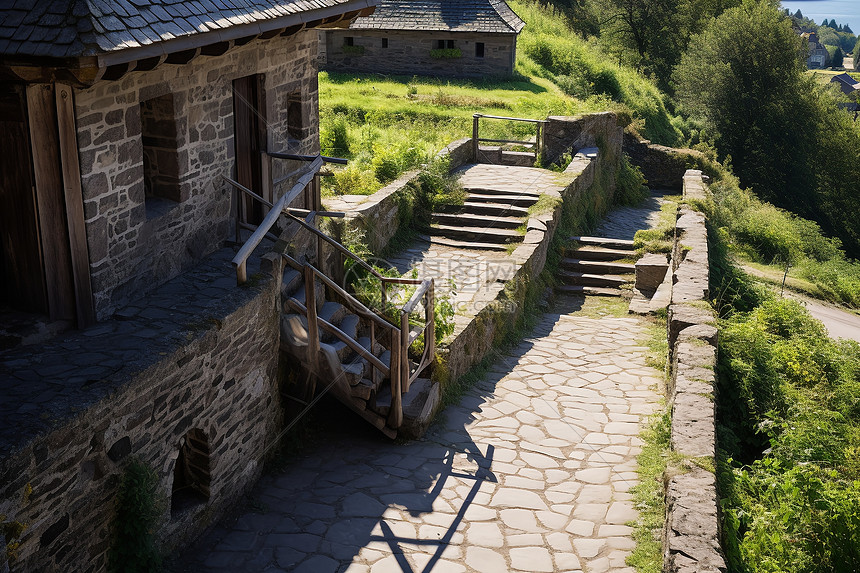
80,28
846,82
492,16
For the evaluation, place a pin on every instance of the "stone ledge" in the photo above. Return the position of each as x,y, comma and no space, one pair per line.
692,530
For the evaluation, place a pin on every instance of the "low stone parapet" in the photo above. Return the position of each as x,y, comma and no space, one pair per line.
691,537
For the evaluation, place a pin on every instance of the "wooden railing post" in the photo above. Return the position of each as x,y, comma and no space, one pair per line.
404,351
538,138
374,373
313,327
395,413
430,319
475,146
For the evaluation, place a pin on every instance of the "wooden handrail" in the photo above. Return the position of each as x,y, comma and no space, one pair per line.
481,115
297,157
341,335
416,297
241,259
506,141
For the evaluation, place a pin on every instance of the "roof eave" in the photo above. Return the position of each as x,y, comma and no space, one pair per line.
190,42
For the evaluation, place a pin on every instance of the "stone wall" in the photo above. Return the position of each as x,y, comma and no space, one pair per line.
663,167
691,535
408,53
567,135
377,215
193,368
139,239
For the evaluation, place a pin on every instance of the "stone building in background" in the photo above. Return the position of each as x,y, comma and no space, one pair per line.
117,122
458,38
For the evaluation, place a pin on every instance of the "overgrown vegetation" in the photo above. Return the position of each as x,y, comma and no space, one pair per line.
137,511
765,234
744,80
788,424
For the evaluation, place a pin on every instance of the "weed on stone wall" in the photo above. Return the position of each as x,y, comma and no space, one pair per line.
133,548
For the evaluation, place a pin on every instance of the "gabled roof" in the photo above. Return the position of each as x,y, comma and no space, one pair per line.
847,80
492,16
81,28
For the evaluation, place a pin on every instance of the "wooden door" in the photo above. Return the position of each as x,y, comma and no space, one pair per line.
250,141
21,266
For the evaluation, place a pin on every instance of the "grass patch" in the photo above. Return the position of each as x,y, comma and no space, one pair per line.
660,238
649,494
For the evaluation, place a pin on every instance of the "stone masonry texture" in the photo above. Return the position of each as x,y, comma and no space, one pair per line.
135,243
530,471
408,52
199,353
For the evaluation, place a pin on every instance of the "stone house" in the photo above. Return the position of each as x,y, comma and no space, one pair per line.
120,121
460,38
818,56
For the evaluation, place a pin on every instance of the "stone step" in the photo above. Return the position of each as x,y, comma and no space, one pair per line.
418,406
609,243
587,279
291,282
363,389
332,312
502,194
582,290
446,242
586,266
472,220
598,254
520,200
518,158
477,234
493,209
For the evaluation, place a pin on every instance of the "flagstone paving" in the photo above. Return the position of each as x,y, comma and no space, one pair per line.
530,471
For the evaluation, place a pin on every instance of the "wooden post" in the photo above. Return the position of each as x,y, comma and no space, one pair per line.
404,350
395,413
74,206
374,373
475,146
430,333
50,200
313,327
537,142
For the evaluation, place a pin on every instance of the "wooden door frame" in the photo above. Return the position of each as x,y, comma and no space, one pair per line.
251,170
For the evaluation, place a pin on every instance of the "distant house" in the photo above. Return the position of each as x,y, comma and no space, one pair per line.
460,38
818,56
846,83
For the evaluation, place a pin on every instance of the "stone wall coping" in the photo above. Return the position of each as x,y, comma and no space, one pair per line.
691,534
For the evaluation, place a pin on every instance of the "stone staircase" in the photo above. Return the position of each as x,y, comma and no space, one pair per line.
489,219
340,370
597,266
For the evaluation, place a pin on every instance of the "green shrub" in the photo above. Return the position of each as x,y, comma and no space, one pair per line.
446,53
334,137
353,180
353,50
133,547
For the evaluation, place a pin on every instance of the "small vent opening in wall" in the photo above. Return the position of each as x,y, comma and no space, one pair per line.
191,476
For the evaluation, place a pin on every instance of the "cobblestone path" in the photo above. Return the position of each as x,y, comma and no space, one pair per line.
531,471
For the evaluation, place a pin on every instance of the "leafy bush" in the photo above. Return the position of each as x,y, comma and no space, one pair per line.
334,137
446,53
789,415
137,511
352,180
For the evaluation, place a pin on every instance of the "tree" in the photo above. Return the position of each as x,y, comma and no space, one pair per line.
744,79
857,55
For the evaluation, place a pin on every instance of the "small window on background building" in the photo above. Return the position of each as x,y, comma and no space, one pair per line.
479,49
440,44
160,161
295,118
384,42
450,45
348,41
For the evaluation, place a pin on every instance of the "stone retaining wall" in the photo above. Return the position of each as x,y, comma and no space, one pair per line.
663,167
570,134
503,307
195,364
691,535
377,215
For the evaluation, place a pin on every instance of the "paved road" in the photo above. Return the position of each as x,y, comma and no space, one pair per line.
531,471
839,323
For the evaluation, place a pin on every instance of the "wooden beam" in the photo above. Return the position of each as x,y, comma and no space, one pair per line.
147,64
182,57
117,71
74,205
50,199
216,49
291,30
271,33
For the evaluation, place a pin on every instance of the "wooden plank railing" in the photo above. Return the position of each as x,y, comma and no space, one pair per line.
537,145
241,259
